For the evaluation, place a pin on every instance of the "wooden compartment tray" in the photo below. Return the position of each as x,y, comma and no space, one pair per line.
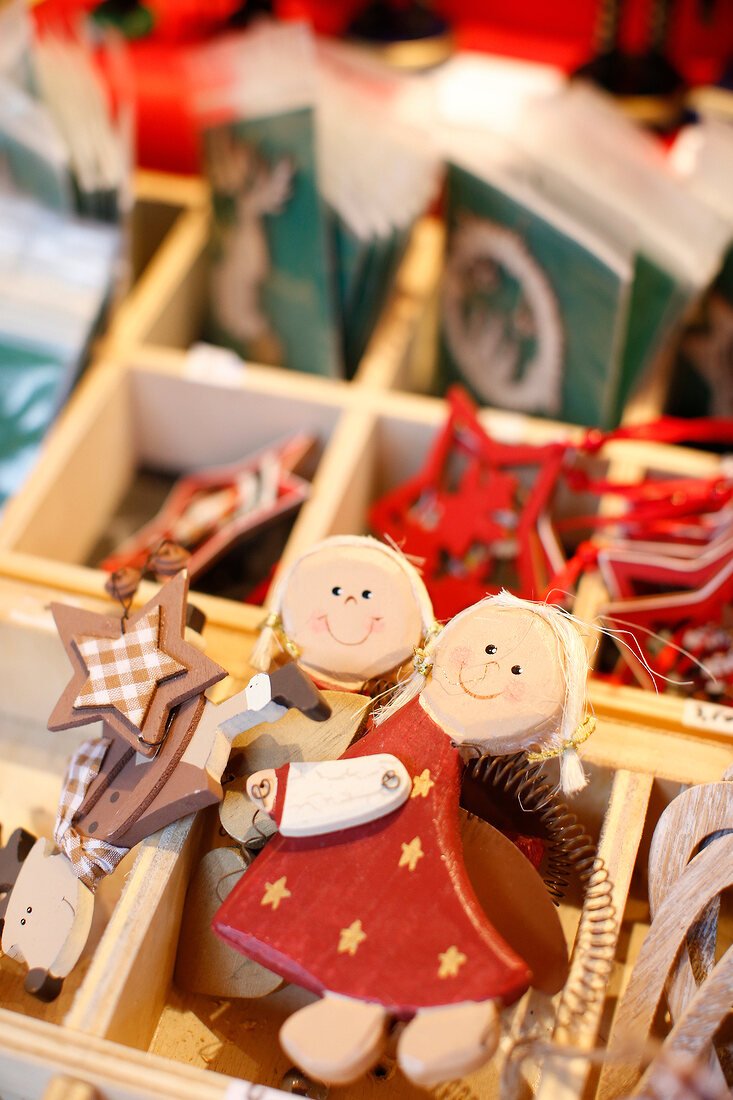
126,1003
156,409
121,1026
156,415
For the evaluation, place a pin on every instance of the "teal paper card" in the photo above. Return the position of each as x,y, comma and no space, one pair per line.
272,279
533,316
366,271
702,379
31,384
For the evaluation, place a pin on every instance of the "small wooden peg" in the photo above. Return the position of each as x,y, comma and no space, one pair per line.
443,1044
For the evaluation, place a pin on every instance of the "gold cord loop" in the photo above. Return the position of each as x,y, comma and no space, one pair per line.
582,733
275,623
423,663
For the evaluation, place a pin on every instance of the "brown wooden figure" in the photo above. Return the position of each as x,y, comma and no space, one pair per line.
130,796
350,610
363,897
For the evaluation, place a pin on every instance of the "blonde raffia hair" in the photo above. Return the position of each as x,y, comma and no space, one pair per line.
273,638
574,726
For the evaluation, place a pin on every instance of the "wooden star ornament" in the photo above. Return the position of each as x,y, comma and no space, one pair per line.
131,673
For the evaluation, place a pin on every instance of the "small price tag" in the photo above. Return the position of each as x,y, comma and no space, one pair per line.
697,714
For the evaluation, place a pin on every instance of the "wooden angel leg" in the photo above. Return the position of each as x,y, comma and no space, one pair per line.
335,1039
443,1043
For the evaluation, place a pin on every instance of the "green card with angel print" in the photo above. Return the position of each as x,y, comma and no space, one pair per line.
534,302
271,288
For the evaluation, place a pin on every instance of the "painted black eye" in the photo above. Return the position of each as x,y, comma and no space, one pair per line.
367,594
517,670
29,909
22,920
491,650
337,590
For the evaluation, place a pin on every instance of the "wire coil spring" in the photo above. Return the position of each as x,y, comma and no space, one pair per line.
571,851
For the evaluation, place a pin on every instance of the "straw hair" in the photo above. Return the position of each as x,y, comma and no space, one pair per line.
273,639
573,661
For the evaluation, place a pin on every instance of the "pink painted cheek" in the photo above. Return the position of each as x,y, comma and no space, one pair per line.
378,626
460,656
515,693
316,622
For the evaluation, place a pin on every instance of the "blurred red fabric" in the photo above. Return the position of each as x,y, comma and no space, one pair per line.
561,33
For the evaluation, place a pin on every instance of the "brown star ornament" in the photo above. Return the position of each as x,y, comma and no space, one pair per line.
131,678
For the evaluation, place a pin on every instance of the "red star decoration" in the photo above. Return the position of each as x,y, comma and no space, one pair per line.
462,531
626,568
700,590
177,522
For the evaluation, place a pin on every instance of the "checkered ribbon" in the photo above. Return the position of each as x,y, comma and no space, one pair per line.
124,672
92,859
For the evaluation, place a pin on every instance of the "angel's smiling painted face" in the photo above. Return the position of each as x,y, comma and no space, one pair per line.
497,676
352,612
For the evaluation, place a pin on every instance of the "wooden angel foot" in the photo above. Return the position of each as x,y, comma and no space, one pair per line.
443,1043
335,1039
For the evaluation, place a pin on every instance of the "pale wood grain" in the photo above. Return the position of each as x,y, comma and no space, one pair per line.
65,1088
688,820
705,876
564,1079
709,1005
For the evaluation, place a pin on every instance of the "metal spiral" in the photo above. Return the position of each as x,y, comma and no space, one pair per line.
571,851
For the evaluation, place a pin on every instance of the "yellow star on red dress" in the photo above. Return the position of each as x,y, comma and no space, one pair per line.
275,892
351,938
450,962
124,672
421,784
411,854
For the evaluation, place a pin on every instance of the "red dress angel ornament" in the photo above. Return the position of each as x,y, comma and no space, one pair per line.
349,611
363,897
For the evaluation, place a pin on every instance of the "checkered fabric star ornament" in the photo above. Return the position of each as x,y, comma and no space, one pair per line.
124,672
131,678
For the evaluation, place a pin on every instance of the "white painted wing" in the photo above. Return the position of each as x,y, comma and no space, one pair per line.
339,794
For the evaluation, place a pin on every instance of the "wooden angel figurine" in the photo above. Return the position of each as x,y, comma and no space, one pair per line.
363,897
350,611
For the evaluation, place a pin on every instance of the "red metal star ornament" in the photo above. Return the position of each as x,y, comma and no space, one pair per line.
477,514
698,596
